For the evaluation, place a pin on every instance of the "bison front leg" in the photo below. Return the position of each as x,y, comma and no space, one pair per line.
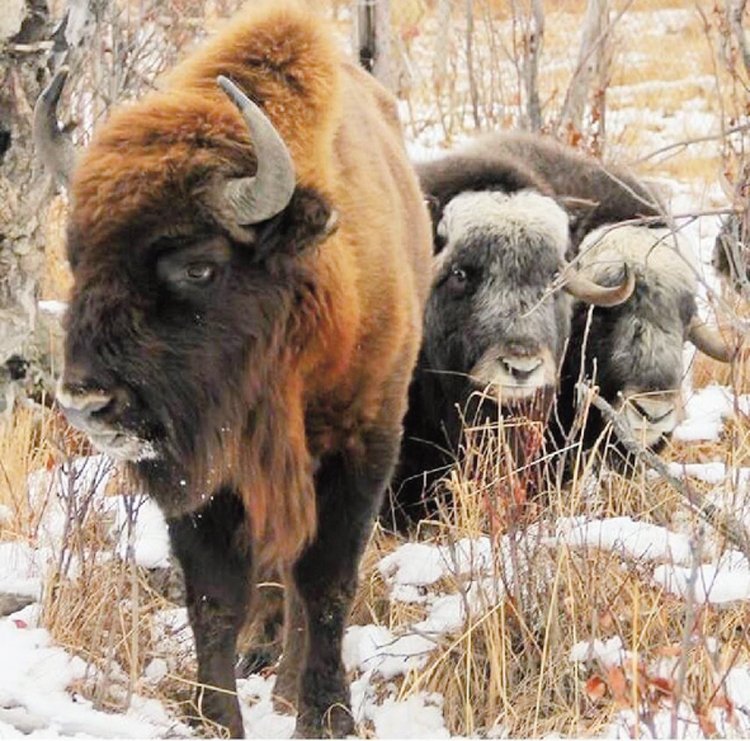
212,547
349,492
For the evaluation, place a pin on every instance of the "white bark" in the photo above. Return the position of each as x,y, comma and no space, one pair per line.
372,38
592,59
24,190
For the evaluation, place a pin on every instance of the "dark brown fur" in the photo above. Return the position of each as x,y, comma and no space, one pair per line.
273,397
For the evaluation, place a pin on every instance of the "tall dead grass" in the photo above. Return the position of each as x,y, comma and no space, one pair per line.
509,667
508,671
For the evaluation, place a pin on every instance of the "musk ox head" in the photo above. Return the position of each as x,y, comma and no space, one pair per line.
634,351
187,241
493,319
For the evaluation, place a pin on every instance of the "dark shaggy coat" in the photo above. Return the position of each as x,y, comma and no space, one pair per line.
593,194
273,398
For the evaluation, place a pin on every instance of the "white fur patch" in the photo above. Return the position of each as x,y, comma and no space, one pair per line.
524,210
652,415
663,254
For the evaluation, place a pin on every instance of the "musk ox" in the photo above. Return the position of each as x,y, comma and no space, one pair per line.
249,280
633,352
506,210
495,329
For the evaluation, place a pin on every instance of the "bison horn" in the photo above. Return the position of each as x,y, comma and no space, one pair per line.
709,341
268,192
592,293
53,147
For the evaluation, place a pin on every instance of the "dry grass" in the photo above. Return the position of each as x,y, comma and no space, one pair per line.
24,447
509,665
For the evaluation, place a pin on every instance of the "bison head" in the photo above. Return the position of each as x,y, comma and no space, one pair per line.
187,242
493,316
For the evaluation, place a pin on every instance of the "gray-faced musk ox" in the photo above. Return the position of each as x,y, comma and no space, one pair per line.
633,352
249,270
493,318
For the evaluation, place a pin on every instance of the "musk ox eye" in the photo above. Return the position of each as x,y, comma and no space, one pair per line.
457,281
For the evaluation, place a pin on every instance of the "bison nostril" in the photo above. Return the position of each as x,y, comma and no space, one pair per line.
82,403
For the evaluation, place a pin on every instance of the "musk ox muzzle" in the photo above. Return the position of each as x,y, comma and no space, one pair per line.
634,351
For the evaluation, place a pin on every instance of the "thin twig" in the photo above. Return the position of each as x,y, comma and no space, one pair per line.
695,140
727,525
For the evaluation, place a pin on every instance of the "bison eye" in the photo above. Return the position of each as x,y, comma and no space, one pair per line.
200,273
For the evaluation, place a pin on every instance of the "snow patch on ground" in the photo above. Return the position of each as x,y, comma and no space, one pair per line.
705,412
608,653
35,677
623,535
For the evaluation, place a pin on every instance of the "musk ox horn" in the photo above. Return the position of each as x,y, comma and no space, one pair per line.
268,192
592,293
54,148
709,341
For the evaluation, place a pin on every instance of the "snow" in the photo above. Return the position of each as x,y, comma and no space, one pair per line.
54,308
706,411
713,472
715,583
608,653
419,716
34,680
87,479
631,539
19,569
374,649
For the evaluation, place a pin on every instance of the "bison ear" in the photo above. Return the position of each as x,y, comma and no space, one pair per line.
307,220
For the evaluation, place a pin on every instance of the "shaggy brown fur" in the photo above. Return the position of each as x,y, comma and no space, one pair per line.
157,156
273,398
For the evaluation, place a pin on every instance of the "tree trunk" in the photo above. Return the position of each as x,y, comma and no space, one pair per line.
372,38
24,190
593,63
534,37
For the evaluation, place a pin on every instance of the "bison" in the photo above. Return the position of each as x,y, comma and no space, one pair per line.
633,352
249,281
507,209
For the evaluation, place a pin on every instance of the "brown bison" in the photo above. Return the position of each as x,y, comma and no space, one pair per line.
246,314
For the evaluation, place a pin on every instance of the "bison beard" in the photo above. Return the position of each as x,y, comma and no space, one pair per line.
250,361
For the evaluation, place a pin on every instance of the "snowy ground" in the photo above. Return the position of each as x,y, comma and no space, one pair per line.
37,678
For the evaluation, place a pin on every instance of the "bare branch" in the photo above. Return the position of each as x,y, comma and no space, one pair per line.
723,522
735,11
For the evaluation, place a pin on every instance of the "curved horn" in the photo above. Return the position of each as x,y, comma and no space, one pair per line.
592,293
268,192
709,341
53,147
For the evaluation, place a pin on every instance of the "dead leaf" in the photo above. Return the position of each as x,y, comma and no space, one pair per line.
595,688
